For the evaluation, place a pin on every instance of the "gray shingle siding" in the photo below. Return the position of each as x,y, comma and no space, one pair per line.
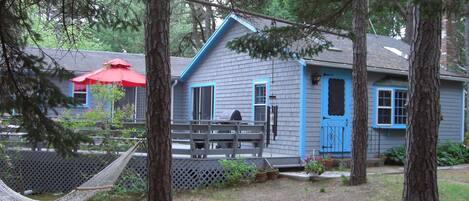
234,75
179,101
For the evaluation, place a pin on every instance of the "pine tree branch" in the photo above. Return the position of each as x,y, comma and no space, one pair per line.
313,26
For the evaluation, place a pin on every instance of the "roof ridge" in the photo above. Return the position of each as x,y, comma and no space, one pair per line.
97,51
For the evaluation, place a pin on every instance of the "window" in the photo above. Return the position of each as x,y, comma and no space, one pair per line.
400,111
391,107
384,106
260,102
79,94
202,103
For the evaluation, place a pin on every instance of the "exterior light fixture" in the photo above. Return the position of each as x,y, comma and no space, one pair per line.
315,78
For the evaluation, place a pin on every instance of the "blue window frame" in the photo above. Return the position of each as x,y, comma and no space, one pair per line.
260,99
391,111
260,103
203,99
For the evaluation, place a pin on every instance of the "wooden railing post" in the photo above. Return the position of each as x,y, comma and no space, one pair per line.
192,144
235,140
206,141
261,143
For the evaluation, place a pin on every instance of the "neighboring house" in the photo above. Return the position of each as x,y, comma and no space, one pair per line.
80,62
313,95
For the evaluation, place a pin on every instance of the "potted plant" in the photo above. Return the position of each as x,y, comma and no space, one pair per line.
261,175
327,161
273,174
314,167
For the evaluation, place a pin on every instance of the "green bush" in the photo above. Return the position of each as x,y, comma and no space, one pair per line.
448,154
236,170
395,156
315,167
452,154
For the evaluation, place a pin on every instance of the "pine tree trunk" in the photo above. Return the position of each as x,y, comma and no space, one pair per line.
466,47
409,23
420,179
360,94
158,100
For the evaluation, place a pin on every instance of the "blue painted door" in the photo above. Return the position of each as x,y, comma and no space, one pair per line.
335,111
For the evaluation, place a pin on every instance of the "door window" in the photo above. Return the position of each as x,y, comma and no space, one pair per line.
336,96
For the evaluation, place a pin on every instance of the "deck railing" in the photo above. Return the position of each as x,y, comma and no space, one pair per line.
225,138
196,139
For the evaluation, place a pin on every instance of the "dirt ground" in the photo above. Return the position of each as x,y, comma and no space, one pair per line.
453,186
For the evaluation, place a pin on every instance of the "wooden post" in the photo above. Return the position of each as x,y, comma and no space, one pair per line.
261,143
206,141
191,132
235,140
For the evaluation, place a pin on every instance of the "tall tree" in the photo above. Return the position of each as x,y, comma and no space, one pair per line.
466,47
420,169
158,99
360,93
26,78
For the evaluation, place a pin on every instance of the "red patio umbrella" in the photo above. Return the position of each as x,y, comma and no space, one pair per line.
115,71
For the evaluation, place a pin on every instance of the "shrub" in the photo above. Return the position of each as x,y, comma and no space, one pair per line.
236,170
448,154
314,167
345,180
395,156
452,154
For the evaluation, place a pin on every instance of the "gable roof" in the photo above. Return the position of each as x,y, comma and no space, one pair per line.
384,54
82,61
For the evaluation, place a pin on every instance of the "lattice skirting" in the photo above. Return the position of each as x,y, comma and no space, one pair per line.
48,172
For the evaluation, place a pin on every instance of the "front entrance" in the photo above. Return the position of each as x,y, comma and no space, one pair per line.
335,112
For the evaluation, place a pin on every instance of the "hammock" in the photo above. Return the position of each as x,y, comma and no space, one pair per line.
103,181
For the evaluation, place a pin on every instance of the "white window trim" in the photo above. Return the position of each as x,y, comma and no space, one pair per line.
384,107
392,107
81,92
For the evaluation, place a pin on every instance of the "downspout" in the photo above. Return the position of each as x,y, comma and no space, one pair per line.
172,98
302,126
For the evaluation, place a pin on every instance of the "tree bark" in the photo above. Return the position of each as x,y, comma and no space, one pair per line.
420,179
158,99
466,47
195,21
360,94
409,23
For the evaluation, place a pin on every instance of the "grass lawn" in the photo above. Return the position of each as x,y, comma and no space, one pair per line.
453,186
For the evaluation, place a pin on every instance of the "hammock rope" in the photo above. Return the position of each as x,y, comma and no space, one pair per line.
100,182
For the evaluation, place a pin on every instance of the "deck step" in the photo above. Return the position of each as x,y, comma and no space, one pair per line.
285,162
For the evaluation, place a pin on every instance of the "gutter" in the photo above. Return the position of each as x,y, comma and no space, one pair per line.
378,69
172,98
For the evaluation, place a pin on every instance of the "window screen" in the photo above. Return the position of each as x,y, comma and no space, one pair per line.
260,102
336,97
400,111
384,107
